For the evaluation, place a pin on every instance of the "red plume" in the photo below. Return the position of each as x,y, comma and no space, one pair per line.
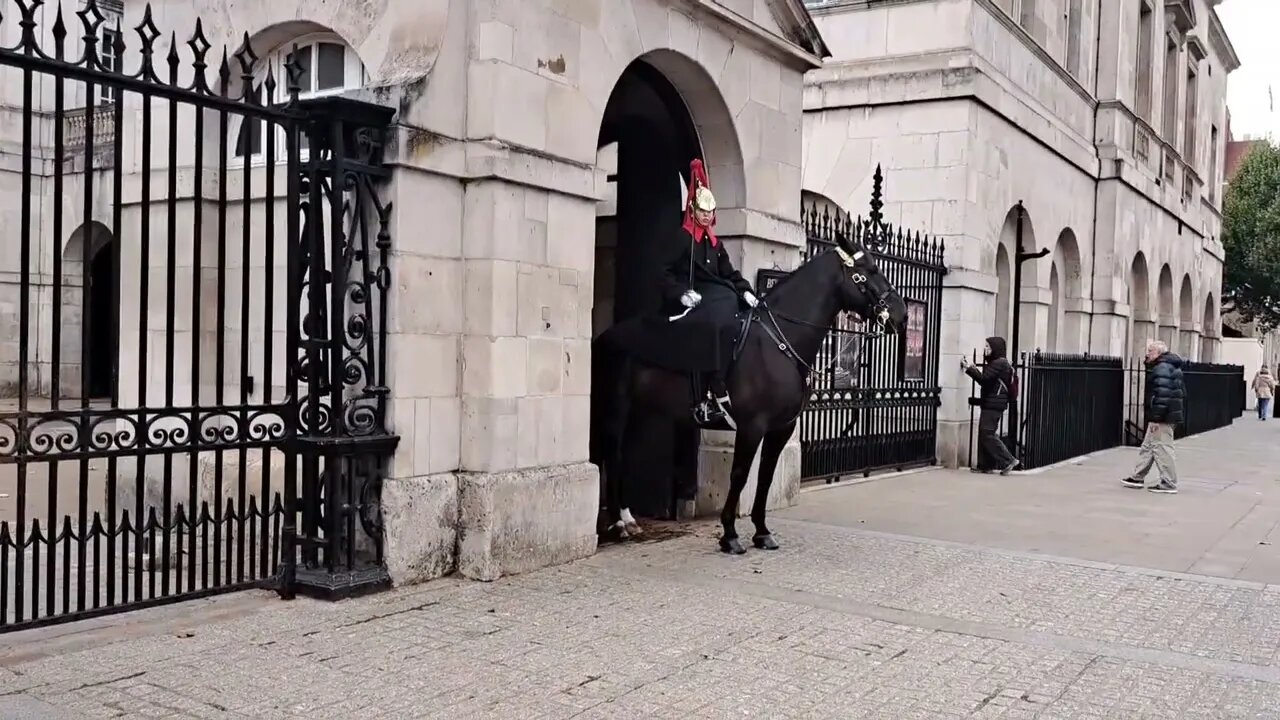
697,178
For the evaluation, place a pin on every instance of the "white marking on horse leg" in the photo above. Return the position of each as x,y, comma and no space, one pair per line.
626,517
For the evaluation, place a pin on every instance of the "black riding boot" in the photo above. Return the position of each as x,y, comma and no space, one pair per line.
715,406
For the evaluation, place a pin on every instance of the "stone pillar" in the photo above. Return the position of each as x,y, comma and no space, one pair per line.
1033,321
1075,334
1168,331
1109,329
528,498
420,493
968,309
1189,340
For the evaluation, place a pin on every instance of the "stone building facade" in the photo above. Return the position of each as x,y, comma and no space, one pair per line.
1105,119
537,146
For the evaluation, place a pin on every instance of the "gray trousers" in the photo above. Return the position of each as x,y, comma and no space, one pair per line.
1157,450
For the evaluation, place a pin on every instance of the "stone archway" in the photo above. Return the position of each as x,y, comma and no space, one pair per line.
1004,294
648,136
1168,329
1209,331
1068,313
1143,326
1188,336
1033,313
89,337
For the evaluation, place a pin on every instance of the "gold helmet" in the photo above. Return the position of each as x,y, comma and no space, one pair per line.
703,200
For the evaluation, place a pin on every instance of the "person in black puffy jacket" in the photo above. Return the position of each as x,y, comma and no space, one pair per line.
1165,393
995,383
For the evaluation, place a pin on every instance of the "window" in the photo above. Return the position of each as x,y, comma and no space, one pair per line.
1143,74
1170,91
1189,138
109,94
1213,164
1027,16
1074,10
326,67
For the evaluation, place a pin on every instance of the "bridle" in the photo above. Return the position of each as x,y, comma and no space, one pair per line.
768,318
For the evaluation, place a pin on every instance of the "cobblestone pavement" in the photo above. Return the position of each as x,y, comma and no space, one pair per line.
840,623
959,617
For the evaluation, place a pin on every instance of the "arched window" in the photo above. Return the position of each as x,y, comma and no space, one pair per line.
328,67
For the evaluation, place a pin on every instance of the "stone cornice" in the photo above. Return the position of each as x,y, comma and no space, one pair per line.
1221,43
778,47
491,160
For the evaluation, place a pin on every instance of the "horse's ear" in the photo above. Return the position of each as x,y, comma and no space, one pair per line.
842,242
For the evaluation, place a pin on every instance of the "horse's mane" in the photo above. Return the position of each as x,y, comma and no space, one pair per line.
790,276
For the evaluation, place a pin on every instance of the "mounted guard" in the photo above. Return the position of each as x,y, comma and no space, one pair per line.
707,292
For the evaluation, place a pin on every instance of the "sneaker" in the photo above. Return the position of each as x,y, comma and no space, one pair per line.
979,471
1133,483
1164,489
1010,467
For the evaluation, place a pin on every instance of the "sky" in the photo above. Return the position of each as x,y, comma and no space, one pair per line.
1254,29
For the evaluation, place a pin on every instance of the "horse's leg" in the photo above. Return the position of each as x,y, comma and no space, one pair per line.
745,445
632,434
770,451
616,473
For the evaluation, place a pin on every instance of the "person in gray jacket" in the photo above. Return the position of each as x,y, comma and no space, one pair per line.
1165,393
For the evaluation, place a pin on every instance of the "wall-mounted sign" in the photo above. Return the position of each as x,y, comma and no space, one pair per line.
766,279
913,341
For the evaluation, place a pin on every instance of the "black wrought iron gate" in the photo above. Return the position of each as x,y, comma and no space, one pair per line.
875,404
192,363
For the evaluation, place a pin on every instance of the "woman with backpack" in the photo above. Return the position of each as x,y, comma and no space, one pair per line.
996,383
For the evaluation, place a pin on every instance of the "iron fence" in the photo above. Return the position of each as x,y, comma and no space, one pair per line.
1215,397
1072,405
192,392
874,402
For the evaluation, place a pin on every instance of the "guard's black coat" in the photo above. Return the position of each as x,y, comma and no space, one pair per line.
701,341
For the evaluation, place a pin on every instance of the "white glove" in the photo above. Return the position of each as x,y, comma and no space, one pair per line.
690,299
750,299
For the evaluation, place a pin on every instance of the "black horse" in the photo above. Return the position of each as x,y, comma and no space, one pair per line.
768,383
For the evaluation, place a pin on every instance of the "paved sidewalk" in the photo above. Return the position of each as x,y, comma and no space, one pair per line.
843,622
1225,520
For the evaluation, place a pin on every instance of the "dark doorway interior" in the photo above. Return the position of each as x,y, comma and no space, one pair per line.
102,339
655,142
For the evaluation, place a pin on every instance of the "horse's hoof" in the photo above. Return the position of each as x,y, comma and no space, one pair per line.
732,546
633,529
765,542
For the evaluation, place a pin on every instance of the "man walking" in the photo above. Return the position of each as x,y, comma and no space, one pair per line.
1164,395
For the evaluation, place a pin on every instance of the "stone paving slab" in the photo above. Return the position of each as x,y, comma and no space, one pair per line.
1225,521
840,623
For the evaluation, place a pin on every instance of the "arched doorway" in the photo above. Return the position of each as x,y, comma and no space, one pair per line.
1168,321
89,336
647,140
1004,294
1032,317
1068,320
1209,331
101,335
1055,309
1143,325
1188,344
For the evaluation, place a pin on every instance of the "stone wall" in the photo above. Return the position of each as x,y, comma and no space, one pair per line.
971,113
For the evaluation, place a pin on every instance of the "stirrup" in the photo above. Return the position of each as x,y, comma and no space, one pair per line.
713,410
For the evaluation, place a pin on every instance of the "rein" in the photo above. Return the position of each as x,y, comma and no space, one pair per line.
786,348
